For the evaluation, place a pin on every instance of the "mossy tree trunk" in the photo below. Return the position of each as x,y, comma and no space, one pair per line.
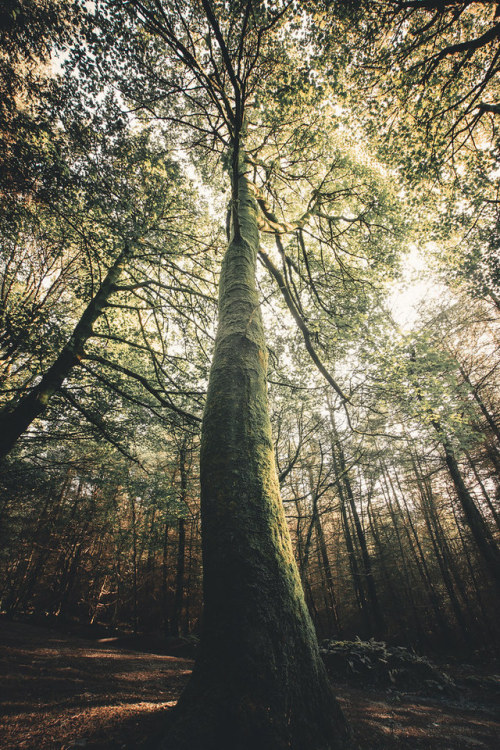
259,681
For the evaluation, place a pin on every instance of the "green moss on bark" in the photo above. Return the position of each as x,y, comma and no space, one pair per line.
259,680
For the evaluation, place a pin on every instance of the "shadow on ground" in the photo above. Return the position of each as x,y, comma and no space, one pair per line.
60,692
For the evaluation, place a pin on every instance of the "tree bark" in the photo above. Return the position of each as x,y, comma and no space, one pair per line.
259,681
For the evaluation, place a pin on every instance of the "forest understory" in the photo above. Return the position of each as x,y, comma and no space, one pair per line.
63,692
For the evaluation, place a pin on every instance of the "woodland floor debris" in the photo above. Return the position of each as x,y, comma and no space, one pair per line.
61,692
376,664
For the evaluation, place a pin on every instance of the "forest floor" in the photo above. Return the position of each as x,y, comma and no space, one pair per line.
62,692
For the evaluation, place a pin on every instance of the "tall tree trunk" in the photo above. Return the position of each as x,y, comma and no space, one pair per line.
188,588
484,493
29,568
330,596
396,515
483,537
397,622
494,457
482,623
179,579
479,401
164,578
438,544
351,552
486,544
16,418
135,606
259,681
378,622
422,566
175,619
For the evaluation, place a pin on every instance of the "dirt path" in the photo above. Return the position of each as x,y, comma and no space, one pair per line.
59,692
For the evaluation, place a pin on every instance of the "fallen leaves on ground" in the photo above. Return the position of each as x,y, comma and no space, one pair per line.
60,692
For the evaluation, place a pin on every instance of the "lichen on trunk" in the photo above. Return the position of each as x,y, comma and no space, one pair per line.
259,681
